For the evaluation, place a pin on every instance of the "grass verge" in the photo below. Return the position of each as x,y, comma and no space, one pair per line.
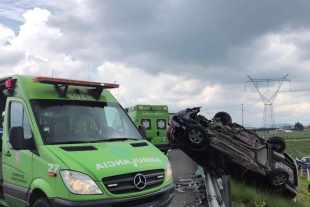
244,195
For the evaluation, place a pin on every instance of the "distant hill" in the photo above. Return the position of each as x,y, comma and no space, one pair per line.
283,124
276,126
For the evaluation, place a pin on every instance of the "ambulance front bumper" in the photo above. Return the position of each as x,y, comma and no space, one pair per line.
161,198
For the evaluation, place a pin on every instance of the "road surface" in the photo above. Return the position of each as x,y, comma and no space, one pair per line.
183,170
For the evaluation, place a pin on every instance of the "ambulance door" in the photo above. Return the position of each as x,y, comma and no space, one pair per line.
17,164
147,121
160,129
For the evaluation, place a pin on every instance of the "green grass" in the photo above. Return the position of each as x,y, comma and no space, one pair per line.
303,195
294,148
293,135
249,196
298,148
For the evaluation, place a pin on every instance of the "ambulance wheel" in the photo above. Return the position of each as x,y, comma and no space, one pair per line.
42,202
196,137
278,143
224,117
278,177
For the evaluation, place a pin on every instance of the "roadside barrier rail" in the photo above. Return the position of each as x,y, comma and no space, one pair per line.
302,171
215,188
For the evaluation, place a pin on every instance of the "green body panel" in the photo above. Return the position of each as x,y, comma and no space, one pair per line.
110,159
154,114
31,171
10,201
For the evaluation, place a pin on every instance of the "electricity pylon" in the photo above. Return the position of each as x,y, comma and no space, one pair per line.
268,119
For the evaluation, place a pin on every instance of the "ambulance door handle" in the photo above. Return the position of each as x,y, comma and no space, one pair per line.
157,133
8,154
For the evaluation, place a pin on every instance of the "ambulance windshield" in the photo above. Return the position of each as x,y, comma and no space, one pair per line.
62,121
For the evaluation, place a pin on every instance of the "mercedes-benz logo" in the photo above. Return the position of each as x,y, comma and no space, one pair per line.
139,181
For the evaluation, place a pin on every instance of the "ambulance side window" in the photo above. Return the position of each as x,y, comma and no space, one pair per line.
18,117
110,113
115,120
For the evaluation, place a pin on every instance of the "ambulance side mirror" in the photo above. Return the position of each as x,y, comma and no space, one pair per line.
16,138
142,130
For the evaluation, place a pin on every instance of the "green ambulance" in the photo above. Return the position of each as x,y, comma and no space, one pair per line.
47,162
155,119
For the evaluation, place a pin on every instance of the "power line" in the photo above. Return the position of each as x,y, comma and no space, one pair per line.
253,112
224,107
291,91
268,119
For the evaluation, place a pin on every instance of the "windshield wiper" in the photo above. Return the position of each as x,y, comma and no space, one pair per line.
121,139
70,142
99,140
112,140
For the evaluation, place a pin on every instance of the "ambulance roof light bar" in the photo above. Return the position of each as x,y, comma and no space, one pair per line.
96,90
73,82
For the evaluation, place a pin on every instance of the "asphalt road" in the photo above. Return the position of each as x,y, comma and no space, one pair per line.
183,170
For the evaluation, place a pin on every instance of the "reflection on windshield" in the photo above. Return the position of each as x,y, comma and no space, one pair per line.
79,122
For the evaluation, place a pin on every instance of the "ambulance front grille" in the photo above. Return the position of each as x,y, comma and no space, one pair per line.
122,184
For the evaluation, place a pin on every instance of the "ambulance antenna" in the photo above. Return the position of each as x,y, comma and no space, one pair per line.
114,83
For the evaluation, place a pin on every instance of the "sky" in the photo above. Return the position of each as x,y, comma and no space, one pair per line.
179,53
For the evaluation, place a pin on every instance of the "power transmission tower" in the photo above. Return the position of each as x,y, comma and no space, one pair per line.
268,119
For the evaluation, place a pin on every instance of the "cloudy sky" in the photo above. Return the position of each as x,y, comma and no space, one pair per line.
173,52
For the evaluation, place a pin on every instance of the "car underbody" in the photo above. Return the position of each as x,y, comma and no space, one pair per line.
224,147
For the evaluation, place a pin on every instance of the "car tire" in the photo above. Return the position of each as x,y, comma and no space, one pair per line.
277,178
196,137
278,142
224,118
42,202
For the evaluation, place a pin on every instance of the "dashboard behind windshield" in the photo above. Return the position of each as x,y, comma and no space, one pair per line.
67,121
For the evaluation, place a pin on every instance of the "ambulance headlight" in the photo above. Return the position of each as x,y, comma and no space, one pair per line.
168,171
79,183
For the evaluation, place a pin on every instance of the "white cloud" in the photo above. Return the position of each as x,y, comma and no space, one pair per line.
5,34
15,9
33,41
136,86
153,64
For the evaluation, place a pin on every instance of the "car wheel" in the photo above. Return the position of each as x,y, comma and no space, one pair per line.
224,118
42,202
279,144
277,178
196,137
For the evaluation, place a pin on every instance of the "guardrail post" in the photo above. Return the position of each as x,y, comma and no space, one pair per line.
227,192
210,189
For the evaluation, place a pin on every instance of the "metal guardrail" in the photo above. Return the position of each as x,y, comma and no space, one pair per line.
215,188
301,173
227,191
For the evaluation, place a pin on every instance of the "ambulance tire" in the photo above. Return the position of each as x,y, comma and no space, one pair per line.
42,202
